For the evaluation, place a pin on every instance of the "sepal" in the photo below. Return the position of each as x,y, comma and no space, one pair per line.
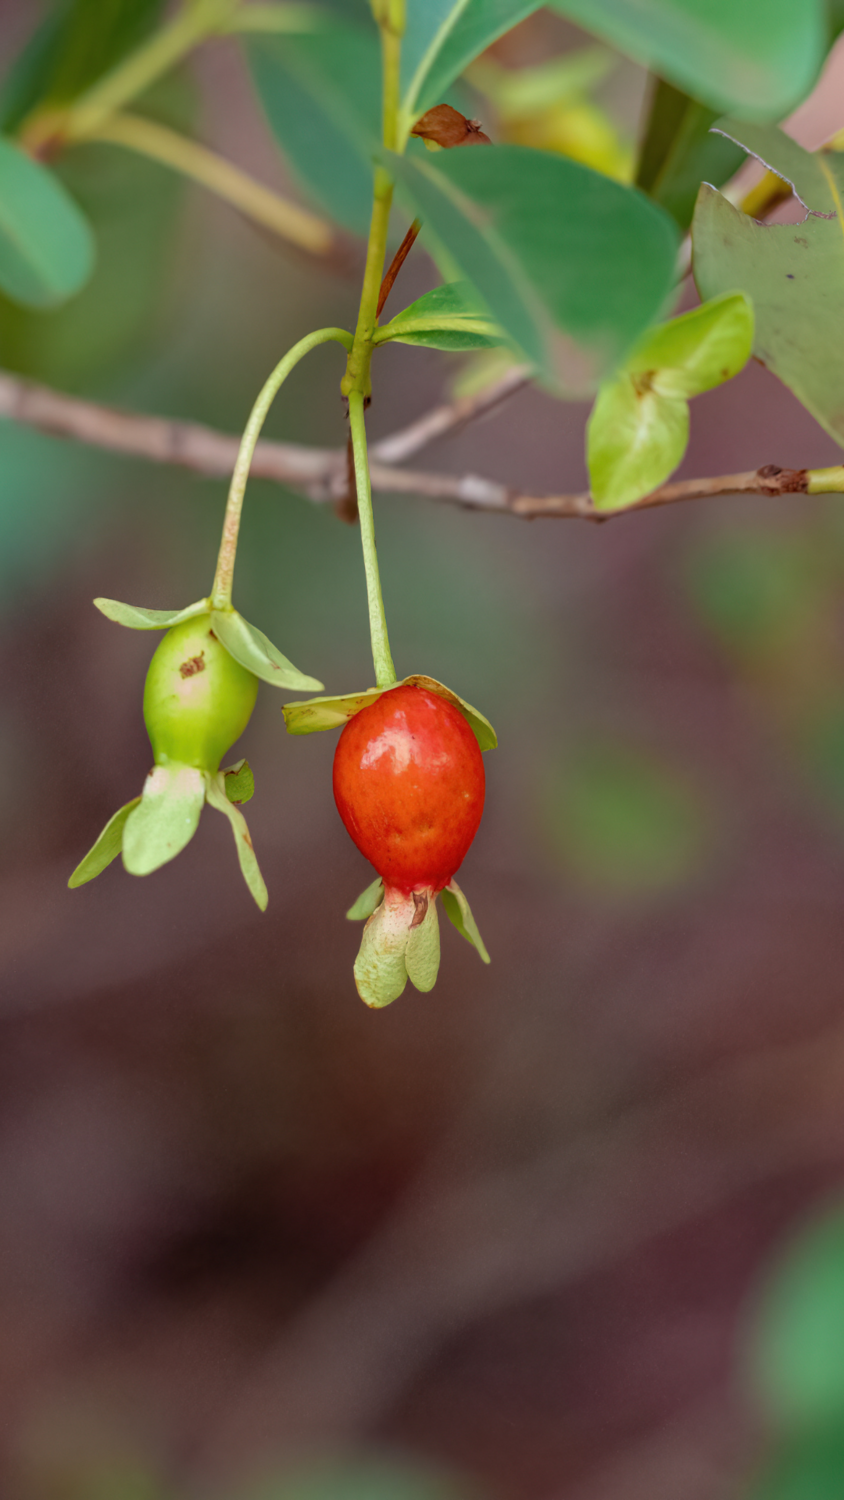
366,902
135,617
401,941
107,848
257,653
332,713
239,782
458,911
216,795
166,818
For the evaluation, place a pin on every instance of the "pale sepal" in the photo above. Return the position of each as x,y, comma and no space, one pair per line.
257,653
239,782
166,818
422,954
215,791
380,969
106,848
458,911
367,901
332,713
135,617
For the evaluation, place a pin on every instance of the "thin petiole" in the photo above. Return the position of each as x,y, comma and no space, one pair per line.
221,593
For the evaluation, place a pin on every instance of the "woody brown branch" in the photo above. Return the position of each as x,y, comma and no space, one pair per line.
320,473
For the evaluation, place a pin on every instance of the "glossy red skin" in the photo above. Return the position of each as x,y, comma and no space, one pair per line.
409,786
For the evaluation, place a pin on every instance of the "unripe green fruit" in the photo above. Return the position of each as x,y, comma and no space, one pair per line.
197,699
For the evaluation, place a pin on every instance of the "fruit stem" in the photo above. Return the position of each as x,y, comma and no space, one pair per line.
221,593
385,672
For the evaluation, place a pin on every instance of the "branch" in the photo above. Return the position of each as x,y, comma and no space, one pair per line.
320,473
448,418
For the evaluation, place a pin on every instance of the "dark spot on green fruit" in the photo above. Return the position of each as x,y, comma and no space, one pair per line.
193,665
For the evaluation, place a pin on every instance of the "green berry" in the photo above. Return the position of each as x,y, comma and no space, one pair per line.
197,698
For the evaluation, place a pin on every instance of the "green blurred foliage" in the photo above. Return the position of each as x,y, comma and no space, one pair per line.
625,822
812,1468
133,206
75,44
365,1478
795,1354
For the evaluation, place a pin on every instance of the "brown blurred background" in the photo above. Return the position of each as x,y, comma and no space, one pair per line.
496,1240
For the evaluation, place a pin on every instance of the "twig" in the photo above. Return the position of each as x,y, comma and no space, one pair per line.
321,474
448,418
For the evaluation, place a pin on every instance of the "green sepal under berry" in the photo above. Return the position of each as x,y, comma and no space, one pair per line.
239,782
332,713
244,642
153,828
216,794
459,912
367,901
400,941
106,848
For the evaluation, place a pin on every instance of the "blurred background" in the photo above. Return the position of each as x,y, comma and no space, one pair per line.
496,1241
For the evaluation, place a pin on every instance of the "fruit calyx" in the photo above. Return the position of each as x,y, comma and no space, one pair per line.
401,939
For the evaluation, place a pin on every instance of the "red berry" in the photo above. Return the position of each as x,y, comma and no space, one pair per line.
409,786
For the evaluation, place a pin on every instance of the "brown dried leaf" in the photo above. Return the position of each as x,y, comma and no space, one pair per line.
447,127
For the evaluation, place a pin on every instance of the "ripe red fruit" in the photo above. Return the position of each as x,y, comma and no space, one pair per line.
409,786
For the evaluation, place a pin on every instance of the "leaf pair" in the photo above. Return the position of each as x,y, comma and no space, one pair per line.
152,829
243,641
401,939
639,427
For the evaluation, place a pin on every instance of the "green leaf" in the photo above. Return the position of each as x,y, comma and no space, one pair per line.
794,1361
367,901
816,177
680,151
258,654
449,317
73,46
458,911
332,713
699,350
165,820
239,782
635,438
107,848
793,273
322,98
441,39
46,245
380,970
809,1468
570,264
756,57
217,795
422,954
135,617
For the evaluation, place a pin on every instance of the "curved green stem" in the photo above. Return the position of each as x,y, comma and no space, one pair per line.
221,593
385,672
196,20
166,146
